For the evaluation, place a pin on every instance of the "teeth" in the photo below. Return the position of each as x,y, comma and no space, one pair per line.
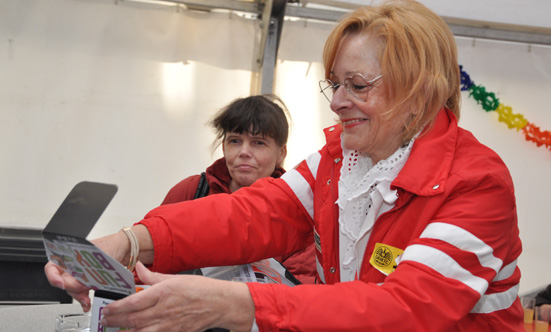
353,121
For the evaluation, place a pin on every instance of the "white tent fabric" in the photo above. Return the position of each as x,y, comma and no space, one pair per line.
120,92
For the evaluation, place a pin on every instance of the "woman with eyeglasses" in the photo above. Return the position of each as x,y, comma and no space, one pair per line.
413,219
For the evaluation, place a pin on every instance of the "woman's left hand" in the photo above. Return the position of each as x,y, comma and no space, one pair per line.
182,303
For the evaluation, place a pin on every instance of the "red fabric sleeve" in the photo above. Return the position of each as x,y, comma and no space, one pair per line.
251,224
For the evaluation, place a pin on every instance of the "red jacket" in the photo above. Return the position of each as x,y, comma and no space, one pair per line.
301,264
455,217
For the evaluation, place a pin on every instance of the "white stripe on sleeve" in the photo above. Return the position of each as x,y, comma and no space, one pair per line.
498,301
506,271
301,188
313,162
445,265
463,240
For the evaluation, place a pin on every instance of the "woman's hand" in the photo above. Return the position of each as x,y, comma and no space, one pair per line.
60,279
115,245
182,303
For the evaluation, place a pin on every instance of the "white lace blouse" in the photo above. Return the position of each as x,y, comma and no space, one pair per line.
364,194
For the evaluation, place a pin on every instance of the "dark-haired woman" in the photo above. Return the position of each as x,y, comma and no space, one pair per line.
253,132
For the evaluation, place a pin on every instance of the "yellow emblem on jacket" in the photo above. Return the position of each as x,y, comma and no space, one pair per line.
385,258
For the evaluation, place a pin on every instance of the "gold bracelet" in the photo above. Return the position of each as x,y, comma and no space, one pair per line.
134,248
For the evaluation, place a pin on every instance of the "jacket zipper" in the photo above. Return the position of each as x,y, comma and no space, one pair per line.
335,221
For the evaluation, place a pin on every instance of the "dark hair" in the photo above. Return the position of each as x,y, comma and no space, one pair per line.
261,114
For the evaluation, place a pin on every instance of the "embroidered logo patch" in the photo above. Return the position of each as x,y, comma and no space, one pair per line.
385,258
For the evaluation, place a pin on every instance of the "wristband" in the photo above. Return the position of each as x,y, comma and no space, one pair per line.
134,248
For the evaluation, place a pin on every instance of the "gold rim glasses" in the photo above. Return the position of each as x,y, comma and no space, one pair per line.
356,85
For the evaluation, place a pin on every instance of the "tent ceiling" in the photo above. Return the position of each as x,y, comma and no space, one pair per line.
273,12
331,10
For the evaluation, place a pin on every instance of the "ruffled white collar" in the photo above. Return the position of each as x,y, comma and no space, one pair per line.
363,189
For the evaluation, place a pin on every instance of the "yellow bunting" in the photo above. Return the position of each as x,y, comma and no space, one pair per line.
512,120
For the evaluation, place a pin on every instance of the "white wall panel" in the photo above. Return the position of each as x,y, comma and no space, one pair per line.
96,91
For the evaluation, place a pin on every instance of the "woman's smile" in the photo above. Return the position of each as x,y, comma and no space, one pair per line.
350,123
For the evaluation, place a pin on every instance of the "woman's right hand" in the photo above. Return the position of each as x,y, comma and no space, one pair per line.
115,245
61,279
182,303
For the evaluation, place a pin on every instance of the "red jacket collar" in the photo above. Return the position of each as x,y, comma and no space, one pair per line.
429,163
428,166
333,140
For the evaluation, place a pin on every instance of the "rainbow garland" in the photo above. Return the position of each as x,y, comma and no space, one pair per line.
490,103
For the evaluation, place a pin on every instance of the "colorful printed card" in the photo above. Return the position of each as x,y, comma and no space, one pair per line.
66,246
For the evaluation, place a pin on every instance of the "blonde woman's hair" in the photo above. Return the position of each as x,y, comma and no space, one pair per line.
418,58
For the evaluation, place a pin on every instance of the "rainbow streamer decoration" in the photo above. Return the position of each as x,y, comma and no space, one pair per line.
490,102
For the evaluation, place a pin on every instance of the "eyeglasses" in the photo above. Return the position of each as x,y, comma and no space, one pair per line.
356,85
